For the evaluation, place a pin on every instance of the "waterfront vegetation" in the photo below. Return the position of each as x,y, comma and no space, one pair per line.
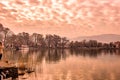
35,40
52,57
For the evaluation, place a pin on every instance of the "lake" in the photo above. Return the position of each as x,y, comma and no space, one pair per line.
67,64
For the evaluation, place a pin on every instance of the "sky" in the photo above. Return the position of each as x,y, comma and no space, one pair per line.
70,18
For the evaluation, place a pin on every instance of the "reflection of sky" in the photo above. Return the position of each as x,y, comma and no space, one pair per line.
73,67
82,17
79,68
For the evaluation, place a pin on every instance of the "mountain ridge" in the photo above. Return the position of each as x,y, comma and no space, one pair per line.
106,38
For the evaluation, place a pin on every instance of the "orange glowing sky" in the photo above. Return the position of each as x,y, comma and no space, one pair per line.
70,18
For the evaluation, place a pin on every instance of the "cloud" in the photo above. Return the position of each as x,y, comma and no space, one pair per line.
77,13
50,9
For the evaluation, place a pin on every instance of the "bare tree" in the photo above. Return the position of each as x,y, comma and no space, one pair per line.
6,32
23,38
56,41
1,27
11,41
37,39
64,41
48,40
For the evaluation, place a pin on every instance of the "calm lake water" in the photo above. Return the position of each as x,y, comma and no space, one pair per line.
67,64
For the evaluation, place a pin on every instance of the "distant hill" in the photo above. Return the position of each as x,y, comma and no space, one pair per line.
101,38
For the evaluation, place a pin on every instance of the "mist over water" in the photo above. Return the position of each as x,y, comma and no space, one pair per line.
67,64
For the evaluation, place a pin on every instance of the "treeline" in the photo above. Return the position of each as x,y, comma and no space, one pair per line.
36,40
93,44
11,40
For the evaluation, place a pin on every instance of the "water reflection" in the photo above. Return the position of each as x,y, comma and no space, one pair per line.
94,53
53,64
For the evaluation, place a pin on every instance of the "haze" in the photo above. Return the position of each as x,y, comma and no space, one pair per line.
70,18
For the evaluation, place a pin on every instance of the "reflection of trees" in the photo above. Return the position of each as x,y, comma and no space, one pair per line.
93,52
41,53
118,52
82,52
109,51
50,55
53,55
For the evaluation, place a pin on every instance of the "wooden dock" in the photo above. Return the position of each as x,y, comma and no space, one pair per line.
8,71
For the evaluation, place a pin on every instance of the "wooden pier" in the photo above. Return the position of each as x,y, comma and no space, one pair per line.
8,71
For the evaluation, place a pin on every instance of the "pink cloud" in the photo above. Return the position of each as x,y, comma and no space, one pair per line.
90,14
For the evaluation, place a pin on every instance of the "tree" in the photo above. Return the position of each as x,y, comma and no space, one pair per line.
1,27
92,43
38,39
111,45
56,41
11,41
23,38
1,37
48,40
71,44
6,32
64,41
